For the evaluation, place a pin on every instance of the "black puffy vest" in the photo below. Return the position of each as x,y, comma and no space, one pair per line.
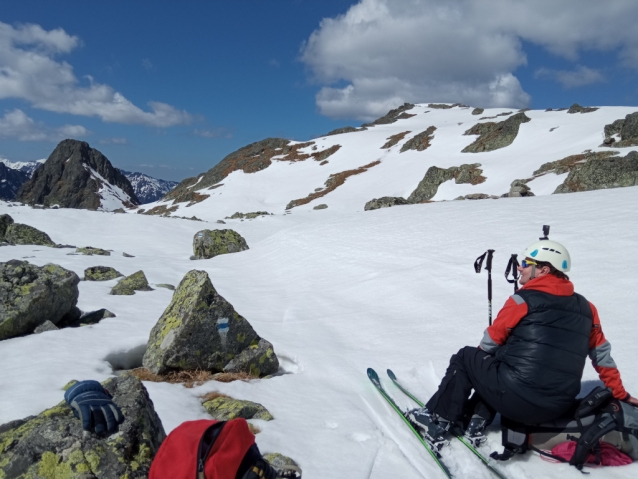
545,353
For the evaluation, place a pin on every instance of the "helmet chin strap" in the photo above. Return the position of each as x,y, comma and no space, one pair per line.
533,272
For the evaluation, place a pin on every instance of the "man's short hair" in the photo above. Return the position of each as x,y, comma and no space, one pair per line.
552,270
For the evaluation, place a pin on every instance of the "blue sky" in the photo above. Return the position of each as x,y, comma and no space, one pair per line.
169,88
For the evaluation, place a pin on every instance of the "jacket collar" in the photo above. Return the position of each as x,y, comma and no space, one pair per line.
551,284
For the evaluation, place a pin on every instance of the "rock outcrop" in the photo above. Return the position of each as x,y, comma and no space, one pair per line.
257,360
101,273
495,135
201,330
17,233
477,111
392,116
129,284
601,173
78,176
5,222
345,129
518,188
576,108
30,295
420,141
90,251
248,216
626,129
225,408
435,176
210,243
384,202
53,445
322,206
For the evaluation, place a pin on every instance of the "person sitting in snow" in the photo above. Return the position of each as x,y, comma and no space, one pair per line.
530,362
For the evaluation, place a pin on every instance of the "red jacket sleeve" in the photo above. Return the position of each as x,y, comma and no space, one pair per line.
600,355
508,317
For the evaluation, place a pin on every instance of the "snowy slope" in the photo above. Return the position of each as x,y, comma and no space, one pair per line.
549,136
335,291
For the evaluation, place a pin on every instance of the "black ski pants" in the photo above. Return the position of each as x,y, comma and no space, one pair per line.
474,369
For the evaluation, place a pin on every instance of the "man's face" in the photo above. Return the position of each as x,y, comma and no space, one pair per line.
526,271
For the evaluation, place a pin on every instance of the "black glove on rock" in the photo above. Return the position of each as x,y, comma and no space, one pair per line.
92,404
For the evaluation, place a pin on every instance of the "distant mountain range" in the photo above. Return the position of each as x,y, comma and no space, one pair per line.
147,188
13,174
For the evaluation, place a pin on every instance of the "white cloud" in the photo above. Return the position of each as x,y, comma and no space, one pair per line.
114,141
580,76
29,71
17,125
213,133
381,53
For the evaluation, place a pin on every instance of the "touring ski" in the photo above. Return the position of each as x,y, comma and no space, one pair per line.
465,442
374,377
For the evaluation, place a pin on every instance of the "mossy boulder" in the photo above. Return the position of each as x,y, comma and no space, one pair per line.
210,243
198,330
225,408
322,206
128,285
493,136
31,295
601,173
477,111
53,445
90,251
282,463
258,359
5,222
435,176
101,273
17,233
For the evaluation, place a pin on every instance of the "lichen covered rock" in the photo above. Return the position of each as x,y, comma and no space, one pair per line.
519,188
210,243
226,408
17,233
167,286
248,216
322,206
626,128
421,141
258,359
495,135
90,251
198,330
477,111
53,445
128,285
101,273
282,463
5,221
597,174
30,295
384,202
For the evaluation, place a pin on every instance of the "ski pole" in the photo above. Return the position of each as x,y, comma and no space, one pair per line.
488,266
512,268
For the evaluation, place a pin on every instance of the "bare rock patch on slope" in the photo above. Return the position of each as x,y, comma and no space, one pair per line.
622,132
249,159
493,136
392,116
394,139
333,182
421,141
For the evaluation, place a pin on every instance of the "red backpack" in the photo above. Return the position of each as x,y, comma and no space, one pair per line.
208,449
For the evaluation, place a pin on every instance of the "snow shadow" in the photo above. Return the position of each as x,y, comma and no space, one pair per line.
129,359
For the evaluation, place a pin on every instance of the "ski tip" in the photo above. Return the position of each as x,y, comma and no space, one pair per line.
372,374
391,374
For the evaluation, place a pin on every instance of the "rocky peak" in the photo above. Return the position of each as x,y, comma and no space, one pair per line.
78,176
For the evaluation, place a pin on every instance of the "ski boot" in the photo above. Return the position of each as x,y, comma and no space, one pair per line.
474,433
433,429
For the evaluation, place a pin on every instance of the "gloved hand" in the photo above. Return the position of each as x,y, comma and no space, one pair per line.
92,404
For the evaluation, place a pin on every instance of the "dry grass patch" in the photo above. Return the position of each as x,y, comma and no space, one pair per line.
191,378
213,395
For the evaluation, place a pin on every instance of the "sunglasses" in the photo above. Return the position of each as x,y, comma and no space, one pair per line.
528,262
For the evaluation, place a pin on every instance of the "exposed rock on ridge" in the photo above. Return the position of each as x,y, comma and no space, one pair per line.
392,116
495,135
419,142
78,176
600,173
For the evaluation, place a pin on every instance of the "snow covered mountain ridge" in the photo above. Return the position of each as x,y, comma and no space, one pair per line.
27,167
418,153
148,189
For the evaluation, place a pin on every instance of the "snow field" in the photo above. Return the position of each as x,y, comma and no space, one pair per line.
335,292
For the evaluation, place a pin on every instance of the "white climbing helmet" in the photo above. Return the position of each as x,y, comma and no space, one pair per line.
551,252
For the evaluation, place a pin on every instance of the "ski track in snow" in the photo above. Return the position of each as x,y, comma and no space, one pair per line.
337,291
